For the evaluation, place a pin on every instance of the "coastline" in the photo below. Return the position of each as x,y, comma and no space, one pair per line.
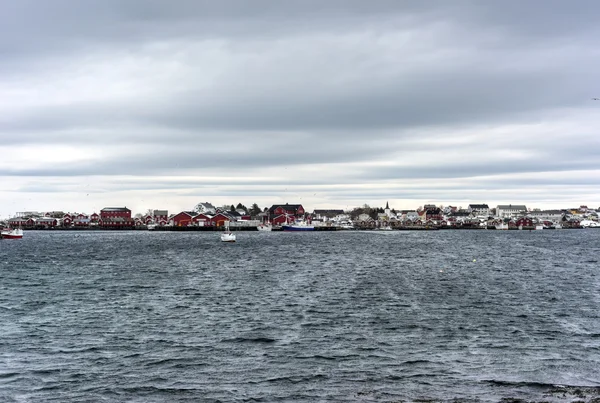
316,229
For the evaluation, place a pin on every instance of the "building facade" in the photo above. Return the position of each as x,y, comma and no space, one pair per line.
510,210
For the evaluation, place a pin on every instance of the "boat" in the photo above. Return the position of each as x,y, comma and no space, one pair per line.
227,236
385,228
539,227
265,227
11,233
298,226
151,227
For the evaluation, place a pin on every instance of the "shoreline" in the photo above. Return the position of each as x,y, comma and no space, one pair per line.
316,229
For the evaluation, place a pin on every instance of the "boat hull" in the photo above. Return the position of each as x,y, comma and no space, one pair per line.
227,237
12,234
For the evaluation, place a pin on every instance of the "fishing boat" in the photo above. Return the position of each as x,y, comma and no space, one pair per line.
11,233
298,225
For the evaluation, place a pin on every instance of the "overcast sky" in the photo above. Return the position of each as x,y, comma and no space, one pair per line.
332,104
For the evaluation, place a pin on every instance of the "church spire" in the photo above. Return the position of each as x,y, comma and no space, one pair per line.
387,205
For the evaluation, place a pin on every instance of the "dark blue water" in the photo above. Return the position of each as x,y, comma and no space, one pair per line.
346,316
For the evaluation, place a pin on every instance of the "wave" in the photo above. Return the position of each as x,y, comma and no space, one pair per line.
541,385
293,379
327,357
266,340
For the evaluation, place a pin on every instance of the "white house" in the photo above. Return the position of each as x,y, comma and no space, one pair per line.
479,209
510,210
547,215
205,208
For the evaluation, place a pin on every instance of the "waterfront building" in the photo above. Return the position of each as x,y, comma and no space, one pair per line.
547,215
115,217
184,219
479,210
510,210
281,212
326,214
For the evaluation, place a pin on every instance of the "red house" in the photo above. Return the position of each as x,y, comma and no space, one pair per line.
46,222
114,212
293,210
116,217
203,220
94,217
431,213
184,219
524,222
219,219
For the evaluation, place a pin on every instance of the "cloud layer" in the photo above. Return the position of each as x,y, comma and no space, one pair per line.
332,104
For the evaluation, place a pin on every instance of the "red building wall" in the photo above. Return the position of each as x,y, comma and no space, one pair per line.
183,219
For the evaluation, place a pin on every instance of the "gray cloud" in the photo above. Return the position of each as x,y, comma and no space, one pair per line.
361,92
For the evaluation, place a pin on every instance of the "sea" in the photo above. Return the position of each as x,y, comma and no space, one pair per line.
347,316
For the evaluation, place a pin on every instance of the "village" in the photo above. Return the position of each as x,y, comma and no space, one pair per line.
205,216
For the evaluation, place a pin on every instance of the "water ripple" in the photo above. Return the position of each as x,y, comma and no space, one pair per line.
343,317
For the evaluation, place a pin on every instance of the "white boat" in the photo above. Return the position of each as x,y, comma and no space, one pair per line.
539,227
265,227
346,225
385,228
151,227
227,237
11,233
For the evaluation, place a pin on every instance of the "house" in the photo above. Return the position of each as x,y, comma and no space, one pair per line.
202,220
46,222
22,221
524,222
364,217
479,210
294,210
450,209
205,208
160,215
184,219
114,212
547,215
115,217
510,210
81,222
67,220
430,213
95,218
325,214
219,219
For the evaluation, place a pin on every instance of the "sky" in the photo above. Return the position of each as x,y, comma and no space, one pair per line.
156,104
